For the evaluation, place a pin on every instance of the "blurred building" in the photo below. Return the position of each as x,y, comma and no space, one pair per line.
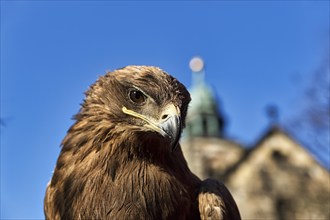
275,179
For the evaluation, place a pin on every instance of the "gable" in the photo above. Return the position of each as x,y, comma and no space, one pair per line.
280,179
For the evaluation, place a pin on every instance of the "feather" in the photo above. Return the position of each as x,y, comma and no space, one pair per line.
216,202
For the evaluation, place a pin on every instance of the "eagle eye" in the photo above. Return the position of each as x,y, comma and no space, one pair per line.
137,96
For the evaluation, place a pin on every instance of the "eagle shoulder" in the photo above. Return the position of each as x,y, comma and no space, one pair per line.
216,202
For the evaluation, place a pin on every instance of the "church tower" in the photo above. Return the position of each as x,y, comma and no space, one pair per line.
207,151
203,119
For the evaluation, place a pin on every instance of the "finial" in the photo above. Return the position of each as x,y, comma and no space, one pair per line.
196,64
272,113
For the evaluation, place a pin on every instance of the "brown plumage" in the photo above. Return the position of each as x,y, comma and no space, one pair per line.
121,158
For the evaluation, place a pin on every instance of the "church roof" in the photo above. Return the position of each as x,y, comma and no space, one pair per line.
274,130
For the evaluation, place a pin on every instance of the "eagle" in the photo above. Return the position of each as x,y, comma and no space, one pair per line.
121,159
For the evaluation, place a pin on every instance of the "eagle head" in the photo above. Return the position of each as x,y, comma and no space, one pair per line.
144,100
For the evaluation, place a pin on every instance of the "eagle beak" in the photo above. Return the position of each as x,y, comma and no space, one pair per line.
170,123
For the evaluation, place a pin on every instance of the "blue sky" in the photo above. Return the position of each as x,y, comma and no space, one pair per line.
256,53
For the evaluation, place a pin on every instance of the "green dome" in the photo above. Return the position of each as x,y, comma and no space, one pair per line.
203,118
203,100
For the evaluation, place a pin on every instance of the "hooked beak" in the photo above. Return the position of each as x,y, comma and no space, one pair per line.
169,125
